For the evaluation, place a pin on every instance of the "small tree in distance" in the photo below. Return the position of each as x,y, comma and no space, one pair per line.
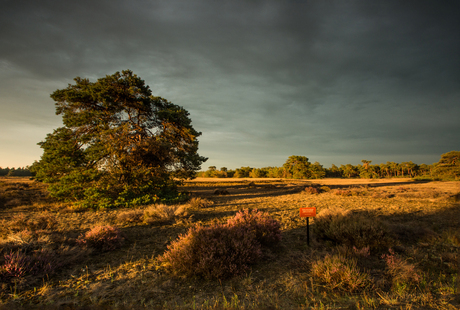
119,144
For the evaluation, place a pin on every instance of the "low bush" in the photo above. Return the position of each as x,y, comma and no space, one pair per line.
345,228
19,264
103,238
217,251
222,250
402,273
310,190
325,189
267,229
343,192
339,273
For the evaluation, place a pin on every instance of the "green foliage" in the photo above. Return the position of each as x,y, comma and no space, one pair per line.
448,167
297,167
120,146
15,172
243,172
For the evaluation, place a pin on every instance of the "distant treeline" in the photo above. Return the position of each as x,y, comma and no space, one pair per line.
298,167
15,172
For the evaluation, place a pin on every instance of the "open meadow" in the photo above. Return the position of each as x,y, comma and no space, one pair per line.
375,244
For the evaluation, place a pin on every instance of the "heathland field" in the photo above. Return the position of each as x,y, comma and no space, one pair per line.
374,244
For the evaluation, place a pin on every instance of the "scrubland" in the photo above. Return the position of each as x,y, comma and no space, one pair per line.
375,244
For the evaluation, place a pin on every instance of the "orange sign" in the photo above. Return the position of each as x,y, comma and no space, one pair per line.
307,212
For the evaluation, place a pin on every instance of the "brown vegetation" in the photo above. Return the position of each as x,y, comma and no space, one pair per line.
414,264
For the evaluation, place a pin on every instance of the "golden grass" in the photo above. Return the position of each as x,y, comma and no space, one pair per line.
424,220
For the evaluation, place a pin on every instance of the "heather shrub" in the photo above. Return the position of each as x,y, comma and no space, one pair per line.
266,229
345,228
217,251
363,252
339,273
103,238
19,264
343,192
402,273
310,190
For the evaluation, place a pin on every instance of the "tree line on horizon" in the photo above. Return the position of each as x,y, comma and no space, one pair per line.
15,172
299,167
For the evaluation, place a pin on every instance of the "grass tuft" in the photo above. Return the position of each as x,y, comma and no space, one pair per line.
352,229
339,273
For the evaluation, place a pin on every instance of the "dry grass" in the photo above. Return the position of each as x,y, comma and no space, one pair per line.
422,271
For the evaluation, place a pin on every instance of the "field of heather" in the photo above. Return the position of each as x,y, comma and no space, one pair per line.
374,244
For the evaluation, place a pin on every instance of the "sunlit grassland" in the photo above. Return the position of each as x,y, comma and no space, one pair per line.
423,219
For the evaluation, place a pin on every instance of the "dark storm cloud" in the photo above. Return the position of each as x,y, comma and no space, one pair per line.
262,79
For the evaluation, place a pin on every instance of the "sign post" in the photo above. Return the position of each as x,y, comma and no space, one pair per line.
308,212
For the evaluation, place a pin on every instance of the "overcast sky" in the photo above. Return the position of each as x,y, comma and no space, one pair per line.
336,81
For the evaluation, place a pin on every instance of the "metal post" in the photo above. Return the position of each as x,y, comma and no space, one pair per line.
308,232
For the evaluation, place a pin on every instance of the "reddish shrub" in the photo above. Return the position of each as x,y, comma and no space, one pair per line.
267,230
401,271
19,264
222,250
218,251
311,190
343,192
103,238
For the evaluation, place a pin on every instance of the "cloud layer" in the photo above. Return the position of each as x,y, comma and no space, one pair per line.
335,81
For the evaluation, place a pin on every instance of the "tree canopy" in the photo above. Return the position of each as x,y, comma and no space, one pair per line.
119,145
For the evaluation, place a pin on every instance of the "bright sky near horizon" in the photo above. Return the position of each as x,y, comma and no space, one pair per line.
336,81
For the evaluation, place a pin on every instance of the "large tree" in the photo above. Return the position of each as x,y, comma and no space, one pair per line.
298,167
448,166
119,145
